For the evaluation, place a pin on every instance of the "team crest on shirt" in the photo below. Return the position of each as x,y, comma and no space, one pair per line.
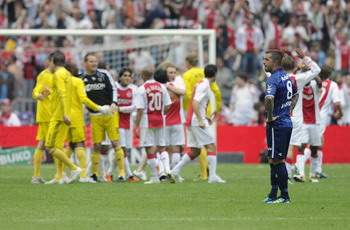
93,78
128,94
86,80
99,79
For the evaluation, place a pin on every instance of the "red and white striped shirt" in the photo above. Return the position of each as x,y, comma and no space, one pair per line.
126,104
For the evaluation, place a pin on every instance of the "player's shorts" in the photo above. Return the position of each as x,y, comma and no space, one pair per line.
199,137
296,134
152,137
174,135
56,135
43,128
125,138
278,139
311,134
102,124
76,134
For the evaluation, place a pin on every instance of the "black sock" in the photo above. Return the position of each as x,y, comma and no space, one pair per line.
274,182
282,176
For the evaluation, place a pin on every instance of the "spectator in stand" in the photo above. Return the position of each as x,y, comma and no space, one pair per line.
243,99
7,117
141,59
7,82
293,30
224,80
249,41
342,55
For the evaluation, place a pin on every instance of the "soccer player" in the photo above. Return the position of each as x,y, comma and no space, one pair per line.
126,104
76,133
300,79
60,116
41,93
152,102
279,93
330,99
175,118
101,89
199,133
191,77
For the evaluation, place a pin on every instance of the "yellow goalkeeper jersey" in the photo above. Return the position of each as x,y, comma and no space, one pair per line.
191,78
43,108
61,100
79,98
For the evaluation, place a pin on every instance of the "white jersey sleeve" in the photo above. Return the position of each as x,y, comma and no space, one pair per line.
180,84
140,98
303,78
335,93
166,97
200,92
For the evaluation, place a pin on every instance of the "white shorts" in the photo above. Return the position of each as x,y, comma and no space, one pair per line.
174,135
198,137
311,134
152,137
125,138
295,139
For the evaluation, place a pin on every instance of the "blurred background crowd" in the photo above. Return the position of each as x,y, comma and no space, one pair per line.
244,29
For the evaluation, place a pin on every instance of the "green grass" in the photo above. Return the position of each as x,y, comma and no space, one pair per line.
191,205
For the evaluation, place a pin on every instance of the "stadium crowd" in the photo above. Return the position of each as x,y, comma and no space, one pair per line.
244,30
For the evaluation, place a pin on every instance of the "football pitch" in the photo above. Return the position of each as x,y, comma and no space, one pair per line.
190,205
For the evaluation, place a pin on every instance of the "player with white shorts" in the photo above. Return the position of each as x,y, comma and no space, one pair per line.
152,102
199,134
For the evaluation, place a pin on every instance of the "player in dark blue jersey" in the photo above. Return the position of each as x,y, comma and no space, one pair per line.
278,101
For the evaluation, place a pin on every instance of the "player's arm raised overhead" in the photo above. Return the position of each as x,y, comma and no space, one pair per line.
305,77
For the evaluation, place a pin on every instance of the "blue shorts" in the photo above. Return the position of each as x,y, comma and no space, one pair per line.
278,141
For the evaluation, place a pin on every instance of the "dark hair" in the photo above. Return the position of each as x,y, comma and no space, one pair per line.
50,57
326,72
160,76
123,70
88,55
243,76
210,70
288,63
58,58
276,55
72,68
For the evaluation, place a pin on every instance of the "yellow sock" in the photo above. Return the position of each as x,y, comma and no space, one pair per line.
95,162
60,155
203,164
59,169
119,157
80,151
38,155
68,152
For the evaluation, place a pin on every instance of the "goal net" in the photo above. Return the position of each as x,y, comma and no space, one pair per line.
116,49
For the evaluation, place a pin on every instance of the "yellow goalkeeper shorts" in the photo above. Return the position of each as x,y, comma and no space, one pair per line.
104,124
56,135
76,134
43,127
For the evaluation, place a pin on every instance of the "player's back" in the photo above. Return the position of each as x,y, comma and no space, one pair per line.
43,109
280,85
77,110
152,96
61,94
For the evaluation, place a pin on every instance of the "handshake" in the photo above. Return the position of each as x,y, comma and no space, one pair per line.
108,109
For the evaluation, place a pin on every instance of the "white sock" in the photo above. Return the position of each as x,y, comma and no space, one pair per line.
289,169
307,154
212,165
175,158
300,164
184,160
313,166
104,164
152,163
127,167
164,158
319,161
160,165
